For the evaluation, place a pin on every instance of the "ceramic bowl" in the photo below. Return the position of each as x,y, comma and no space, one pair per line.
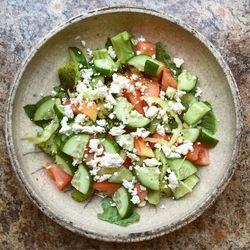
38,75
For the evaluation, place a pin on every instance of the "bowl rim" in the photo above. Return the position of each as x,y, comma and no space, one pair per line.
130,237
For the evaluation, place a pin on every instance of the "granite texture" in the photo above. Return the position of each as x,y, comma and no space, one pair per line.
226,225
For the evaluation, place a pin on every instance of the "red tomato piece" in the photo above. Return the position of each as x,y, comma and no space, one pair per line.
61,178
142,148
106,187
199,155
146,48
152,89
135,100
167,80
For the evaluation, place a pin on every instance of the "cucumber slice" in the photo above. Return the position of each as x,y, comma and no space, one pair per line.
104,171
186,186
153,125
138,61
65,162
188,99
45,111
122,108
191,134
159,155
58,109
81,180
122,199
121,174
153,67
149,177
125,141
137,121
77,56
154,197
195,112
208,138
110,145
186,81
74,146
209,122
106,67
182,168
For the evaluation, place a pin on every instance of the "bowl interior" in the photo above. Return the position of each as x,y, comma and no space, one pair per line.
40,76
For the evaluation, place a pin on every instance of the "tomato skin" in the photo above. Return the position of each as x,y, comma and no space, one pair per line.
141,193
106,187
199,155
146,48
142,148
167,80
135,100
152,88
61,178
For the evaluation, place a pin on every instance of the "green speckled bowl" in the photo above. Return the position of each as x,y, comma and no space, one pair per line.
39,73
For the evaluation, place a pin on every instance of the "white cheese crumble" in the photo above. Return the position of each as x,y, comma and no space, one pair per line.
130,186
111,52
123,141
53,93
138,52
160,129
178,95
172,179
178,62
153,162
141,39
77,128
198,92
134,77
176,107
101,122
76,161
141,132
65,128
183,148
89,53
80,118
151,112
111,116
119,130
95,147
162,94
119,83
132,156
68,111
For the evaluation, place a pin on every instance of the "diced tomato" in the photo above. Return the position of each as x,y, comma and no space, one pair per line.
87,108
135,100
199,155
166,137
167,80
143,148
106,187
146,48
127,162
141,193
61,178
152,89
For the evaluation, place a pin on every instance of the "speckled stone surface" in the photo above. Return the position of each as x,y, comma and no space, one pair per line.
226,225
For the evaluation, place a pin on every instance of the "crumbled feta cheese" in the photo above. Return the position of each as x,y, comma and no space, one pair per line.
134,77
119,83
141,39
112,204
172,179
183,148
53,93
162,94
95,146
76,161
101,178
152,162
176,107
119,130
198,92
89,129
132,156
151,112
111,52
178,95
160,129
178,62
101,122
111,116
65,128
135,199
123,141
80,118
68,111
89,53
153,56
138,52
141,132
130,186
108,106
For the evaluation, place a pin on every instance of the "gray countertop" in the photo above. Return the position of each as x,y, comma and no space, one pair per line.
226,225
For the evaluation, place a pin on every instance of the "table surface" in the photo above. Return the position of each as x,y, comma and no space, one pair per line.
226,225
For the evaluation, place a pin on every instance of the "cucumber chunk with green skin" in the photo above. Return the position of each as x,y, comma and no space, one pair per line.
138,61
45,111
122,46
125,141
186,81
45,134
58,109
170,92
122,108
153,67
122,199
209,122
75,145
195,112
191,134
49,147
154,197
77,56
153,125
81,180
121,174
149,177
80,197
208,138
186,186
187,100
110,145
159,155
182,168
137,122
96,80
69,75
65,162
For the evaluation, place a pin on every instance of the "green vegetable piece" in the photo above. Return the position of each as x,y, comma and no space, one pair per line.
45,134
111,215
69,74
30,110
208,138
138,61
191,134
162,56
186,81
154,197
110,145
49,147
122,108
170,92
80,197
188,99
65,162
129,145
153,125
77,56
121,174
153,67
209,122
122,46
